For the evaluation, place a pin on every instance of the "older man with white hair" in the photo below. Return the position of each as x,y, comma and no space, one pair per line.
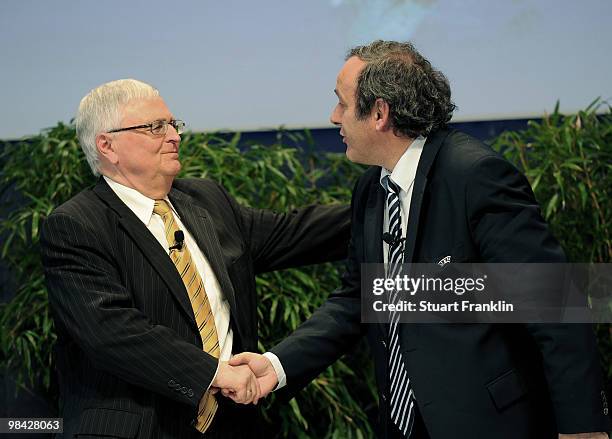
151,279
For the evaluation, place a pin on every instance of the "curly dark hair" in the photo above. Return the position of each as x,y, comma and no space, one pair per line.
419,96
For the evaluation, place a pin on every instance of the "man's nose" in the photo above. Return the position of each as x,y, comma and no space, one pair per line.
172,135
333,117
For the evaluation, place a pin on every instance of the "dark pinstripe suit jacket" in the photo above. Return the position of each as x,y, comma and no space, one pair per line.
128,354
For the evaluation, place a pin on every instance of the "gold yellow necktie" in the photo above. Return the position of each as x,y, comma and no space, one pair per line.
199,301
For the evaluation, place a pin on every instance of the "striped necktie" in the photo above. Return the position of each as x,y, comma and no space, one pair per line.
199,302
401,395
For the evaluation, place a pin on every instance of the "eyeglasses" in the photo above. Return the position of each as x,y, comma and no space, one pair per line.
157,128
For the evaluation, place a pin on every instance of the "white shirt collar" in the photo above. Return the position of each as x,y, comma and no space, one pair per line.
141,205
405,170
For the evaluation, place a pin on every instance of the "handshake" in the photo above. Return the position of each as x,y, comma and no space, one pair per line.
245,378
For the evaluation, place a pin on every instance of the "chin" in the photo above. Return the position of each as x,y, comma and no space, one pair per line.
173,169
350,154
355,158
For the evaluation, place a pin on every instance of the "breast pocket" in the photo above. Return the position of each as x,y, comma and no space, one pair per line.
506,389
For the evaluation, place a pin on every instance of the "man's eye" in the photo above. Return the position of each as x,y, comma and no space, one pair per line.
158,126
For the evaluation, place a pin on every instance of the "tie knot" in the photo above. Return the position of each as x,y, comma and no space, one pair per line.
391,185
161,207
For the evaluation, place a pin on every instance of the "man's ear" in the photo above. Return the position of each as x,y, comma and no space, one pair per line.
106,148
381,115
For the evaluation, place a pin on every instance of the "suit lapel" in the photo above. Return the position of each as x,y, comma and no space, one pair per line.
372,231
428,156
373,223
198,222
148,245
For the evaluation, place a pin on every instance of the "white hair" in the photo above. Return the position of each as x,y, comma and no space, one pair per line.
100,111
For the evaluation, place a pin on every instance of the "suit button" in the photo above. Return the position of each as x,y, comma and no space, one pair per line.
384,344
384,397
171,383
190,393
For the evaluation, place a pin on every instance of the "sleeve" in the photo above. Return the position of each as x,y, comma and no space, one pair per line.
304,236
332,329
504,216
507,226
91,305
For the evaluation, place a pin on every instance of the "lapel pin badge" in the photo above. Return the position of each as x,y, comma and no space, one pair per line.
445,260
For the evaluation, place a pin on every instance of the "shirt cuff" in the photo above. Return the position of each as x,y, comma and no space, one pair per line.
278,368
214,378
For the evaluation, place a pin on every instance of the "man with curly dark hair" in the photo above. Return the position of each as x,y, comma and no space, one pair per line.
437,195
418,95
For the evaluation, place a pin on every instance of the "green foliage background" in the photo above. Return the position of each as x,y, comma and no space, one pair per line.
567,160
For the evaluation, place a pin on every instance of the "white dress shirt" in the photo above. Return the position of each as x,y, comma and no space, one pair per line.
142,207
403,175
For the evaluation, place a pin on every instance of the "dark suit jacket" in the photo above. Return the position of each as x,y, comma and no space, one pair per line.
128,353
472,380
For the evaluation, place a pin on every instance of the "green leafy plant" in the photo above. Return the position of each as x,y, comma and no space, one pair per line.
45,171
568,161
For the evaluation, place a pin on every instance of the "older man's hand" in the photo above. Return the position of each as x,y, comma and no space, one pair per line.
261,367
236,382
